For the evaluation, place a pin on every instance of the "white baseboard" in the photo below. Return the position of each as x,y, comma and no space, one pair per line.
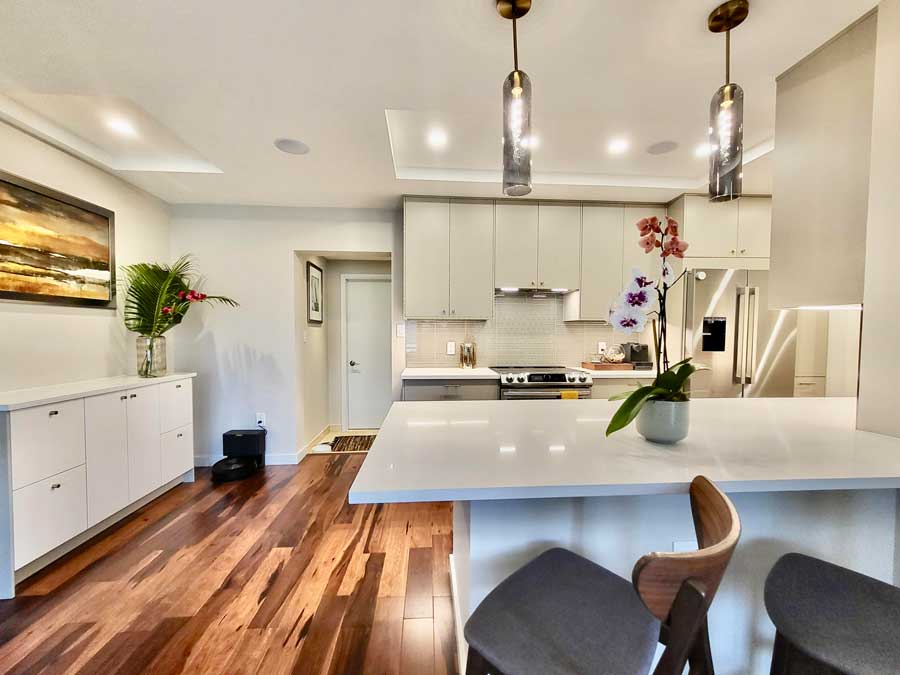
462,647
326,431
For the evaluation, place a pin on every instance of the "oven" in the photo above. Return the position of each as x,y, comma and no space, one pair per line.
540,394
543,383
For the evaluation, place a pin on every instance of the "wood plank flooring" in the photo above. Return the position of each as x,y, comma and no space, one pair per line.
274,574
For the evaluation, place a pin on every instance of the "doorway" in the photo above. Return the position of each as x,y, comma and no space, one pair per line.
366,328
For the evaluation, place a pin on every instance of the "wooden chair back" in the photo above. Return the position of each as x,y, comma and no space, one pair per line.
658,577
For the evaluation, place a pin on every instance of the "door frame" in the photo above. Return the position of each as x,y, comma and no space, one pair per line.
345,390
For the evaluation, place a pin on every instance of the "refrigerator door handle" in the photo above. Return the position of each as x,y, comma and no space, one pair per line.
740,337
752,333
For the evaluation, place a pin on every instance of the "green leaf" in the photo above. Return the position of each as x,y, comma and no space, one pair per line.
620,397
632,406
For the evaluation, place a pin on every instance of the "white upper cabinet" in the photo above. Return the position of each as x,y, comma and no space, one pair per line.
426,260
601,262
516,258
559,246
737,229
754,227
471,260
106,442
448,259
144,467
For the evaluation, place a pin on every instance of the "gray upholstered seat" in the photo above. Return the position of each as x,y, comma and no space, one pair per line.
560,615
838,617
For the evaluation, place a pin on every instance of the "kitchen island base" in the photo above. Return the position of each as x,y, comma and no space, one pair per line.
856,529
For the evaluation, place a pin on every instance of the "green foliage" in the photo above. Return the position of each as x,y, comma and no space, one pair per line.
668,386
157,296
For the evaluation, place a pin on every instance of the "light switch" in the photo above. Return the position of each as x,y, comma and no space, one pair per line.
451,348
601,347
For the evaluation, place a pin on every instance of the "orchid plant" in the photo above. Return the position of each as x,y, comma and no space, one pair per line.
644,298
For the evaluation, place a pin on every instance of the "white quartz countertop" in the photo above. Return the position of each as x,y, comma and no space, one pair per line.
475,450
54,393
620,374
449,374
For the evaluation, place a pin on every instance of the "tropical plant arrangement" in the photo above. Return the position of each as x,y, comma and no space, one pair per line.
645,298
157,299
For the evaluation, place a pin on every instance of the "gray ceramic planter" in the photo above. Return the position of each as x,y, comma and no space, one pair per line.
664,421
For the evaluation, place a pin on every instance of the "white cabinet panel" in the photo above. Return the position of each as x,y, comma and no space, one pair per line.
426,257
516,255
606,388
601,260
711,228
175,405
144,469
471,260
754,227
106,445
48,513
46,440
559,246
177,450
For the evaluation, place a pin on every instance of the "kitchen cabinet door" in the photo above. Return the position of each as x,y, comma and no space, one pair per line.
177,452
144,469
106,443
426,258
601,260
176,405
46,440
471,260
559,246
516,253
754,227
711,228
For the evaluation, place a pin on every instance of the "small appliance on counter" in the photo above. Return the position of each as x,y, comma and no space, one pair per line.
467,357
245,453
638,354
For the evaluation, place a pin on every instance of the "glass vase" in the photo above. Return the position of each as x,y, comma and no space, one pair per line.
151,356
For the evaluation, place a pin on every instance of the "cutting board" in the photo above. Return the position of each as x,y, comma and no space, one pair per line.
607,366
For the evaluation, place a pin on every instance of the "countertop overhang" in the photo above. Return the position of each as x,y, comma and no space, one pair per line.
478,450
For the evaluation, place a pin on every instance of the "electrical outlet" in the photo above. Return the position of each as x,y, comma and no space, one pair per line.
601,347
260,419
451,348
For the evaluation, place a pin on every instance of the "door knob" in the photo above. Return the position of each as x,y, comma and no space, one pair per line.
354,363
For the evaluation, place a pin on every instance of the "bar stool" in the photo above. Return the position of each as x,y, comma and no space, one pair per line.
831,620
564,615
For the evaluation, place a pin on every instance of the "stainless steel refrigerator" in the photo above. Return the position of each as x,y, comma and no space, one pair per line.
749,349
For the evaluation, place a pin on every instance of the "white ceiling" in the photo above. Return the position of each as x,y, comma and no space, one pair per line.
219,81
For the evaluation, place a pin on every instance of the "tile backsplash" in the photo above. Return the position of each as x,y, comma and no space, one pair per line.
525,331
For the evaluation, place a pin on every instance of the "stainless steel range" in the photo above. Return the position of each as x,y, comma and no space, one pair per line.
542,382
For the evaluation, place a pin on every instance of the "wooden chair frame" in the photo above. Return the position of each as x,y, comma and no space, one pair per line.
678,588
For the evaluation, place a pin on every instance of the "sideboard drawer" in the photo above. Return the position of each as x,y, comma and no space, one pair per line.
46,440
49,513
175,405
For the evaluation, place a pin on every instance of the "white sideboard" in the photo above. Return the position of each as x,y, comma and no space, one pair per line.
77,457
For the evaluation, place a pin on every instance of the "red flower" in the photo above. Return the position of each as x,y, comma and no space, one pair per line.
181,295
203,296
654,224
166,310
648,242
675,246
671,226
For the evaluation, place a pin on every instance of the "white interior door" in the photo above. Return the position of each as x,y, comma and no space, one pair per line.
368,322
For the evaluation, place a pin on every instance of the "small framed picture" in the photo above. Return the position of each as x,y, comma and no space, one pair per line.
314,309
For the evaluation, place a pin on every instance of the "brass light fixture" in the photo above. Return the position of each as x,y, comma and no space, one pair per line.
516,112
726,113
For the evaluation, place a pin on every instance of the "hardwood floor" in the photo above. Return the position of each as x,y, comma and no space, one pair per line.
274,574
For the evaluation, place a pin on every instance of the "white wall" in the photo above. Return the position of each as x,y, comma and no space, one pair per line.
247,358
45,344
312,356
879,365
333,313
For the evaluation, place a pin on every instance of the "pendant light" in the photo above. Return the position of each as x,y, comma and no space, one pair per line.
516,112
726,113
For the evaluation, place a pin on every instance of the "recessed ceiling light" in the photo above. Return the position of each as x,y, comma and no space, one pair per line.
292,146
437,138
617,146
702,150
121,126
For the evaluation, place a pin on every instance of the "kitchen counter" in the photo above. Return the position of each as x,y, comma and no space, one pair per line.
449,374
54,393
429,451
525,476
619,374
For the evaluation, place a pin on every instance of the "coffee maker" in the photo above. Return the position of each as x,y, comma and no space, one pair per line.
638,354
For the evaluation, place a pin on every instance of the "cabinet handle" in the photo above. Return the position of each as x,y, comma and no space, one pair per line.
733,251
443,311
533,284
453,311
123,398
542,283
53,413
179,436
178,386
55,486
133,396
743,250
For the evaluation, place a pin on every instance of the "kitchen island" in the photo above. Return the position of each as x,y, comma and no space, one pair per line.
528,475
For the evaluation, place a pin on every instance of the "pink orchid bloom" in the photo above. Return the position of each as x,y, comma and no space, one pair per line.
671,226
676,247
648,242
654,224
643,226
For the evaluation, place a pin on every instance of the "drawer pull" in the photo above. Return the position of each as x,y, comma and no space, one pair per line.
179,436
53,413
55,486
123,398
133,396
178,386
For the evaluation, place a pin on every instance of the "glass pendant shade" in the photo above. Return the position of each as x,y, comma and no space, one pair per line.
517,134
726,143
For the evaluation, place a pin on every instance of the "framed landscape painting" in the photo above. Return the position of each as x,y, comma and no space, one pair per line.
314,310
53,247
